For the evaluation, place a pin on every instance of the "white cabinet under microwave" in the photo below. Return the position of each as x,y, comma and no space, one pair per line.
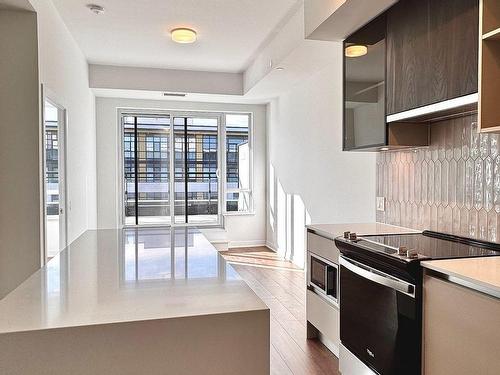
322,302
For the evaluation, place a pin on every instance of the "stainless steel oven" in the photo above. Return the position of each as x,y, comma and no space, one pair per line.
323,276
380,319
381,297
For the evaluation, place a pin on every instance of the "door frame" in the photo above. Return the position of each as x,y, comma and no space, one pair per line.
171,114
50,97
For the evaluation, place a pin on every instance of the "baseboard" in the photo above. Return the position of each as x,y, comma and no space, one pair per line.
254,243
270,246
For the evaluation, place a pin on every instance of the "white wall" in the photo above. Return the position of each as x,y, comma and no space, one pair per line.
41,39
64,72
310,179
19,149
242,230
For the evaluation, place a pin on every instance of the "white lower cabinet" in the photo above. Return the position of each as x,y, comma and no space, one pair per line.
461,330
323,321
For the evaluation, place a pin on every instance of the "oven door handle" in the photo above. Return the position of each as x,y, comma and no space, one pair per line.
377,276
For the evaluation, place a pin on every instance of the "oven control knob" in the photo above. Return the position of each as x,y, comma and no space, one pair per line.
353,236
411,254
346,234
402,251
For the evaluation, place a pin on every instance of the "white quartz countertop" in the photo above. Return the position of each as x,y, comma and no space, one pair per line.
112,276
335,230
484,273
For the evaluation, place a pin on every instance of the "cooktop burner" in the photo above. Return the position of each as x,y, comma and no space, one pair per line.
429,245
401,254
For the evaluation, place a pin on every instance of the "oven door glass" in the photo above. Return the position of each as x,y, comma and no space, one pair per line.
378,324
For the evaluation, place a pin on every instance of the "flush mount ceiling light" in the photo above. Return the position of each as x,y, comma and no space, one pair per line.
279,68
356,50
96,9
183,35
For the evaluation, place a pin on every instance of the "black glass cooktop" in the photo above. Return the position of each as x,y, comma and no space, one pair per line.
431,245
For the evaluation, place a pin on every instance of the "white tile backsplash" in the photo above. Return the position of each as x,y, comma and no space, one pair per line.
452,186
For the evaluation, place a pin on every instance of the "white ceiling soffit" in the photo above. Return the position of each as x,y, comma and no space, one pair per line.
137,33
287,59
130,78
309,57
190,97
335,20
16,5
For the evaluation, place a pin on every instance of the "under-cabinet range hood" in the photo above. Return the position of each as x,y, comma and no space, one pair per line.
455,107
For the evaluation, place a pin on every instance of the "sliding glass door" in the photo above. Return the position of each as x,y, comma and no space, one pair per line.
153,169
196,167
146,162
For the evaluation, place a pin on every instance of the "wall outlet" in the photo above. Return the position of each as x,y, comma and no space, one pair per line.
381,204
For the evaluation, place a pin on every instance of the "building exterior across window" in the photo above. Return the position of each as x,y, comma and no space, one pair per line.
52,167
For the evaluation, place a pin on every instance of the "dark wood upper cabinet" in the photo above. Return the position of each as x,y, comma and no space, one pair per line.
432,52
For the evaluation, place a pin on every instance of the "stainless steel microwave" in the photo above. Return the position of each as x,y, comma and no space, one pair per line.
323,277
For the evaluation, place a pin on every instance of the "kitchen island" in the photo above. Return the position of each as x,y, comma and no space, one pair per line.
135,301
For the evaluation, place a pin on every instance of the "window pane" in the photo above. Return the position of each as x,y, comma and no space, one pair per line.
129,169
51,179
152,179
153,184
238,151
202,195
238,202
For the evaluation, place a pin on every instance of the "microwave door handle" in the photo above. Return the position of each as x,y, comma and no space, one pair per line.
326,279
379,277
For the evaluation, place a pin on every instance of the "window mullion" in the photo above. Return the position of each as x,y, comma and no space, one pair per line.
136,167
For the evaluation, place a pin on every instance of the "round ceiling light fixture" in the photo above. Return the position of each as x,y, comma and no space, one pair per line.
96,9
183,35
356,50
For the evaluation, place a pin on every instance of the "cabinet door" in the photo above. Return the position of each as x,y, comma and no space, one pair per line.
408,60
461,330
432,52
364,88
454,36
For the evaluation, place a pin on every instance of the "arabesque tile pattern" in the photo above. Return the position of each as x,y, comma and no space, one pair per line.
452,186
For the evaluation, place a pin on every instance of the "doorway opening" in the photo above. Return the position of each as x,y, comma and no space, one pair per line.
54,124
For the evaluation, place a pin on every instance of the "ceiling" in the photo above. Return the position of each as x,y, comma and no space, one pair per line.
136,33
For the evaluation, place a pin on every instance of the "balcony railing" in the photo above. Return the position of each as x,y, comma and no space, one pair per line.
202,198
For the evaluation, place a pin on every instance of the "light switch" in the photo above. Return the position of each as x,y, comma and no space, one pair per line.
381,204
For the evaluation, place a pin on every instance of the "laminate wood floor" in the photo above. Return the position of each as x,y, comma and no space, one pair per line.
281,285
